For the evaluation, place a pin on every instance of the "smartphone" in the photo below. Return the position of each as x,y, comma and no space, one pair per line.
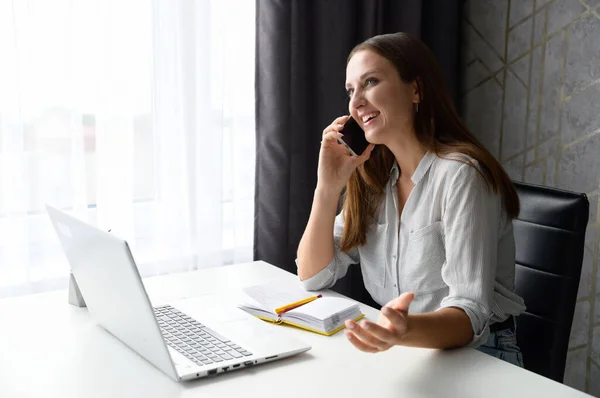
354,137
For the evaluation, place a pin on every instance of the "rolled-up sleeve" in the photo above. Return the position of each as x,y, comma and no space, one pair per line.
471,219
338,266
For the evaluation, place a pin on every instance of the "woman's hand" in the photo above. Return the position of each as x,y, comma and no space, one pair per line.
387,332
336,164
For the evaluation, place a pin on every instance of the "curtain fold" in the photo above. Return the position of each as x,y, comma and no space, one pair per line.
301,51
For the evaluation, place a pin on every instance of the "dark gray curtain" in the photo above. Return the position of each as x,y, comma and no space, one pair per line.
301,51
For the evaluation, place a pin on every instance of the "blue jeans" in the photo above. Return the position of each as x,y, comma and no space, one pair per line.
503,345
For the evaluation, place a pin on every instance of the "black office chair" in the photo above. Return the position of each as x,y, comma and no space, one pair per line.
549,238
352,285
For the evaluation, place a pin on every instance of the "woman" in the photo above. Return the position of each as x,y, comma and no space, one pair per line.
427,211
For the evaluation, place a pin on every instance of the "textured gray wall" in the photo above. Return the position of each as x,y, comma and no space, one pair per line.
531,93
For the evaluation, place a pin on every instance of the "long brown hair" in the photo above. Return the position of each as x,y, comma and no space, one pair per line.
437,126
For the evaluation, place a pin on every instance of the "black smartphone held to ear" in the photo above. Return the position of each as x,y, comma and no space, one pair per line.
354,137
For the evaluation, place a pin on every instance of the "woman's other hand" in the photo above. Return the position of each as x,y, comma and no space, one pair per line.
387,332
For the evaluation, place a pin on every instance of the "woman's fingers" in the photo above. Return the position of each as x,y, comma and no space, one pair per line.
367,152
337,125
358,343
365,155
330,138
333,127
341,120
366,336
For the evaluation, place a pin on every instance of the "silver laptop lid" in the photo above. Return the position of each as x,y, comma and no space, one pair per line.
112,287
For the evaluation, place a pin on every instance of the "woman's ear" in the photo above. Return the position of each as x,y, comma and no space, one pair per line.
416,91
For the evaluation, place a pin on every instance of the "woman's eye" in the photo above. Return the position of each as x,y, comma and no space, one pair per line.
349,92
370,81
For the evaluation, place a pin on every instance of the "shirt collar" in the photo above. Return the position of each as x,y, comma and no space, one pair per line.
422,168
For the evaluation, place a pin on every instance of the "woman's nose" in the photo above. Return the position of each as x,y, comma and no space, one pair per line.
357,100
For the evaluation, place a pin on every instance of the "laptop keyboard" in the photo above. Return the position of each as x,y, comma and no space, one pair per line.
195,341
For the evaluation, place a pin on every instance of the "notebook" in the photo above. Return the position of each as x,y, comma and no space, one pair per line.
288,303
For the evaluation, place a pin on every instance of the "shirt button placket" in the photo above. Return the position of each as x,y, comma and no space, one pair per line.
395,258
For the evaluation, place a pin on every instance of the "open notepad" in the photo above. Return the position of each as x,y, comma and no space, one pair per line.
288,303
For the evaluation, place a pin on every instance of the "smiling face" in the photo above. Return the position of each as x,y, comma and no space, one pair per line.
380,101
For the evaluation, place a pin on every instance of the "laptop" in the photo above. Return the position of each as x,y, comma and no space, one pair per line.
187,339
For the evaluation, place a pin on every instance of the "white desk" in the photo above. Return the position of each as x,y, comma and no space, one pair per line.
49,348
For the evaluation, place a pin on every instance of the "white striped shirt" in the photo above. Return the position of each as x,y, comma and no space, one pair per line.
453,246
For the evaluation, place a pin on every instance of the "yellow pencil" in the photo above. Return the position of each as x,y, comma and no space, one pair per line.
297,304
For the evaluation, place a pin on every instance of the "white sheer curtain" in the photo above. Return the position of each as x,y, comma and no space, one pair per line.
135,115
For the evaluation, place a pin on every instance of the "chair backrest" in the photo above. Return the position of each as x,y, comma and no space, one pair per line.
353,286
549,239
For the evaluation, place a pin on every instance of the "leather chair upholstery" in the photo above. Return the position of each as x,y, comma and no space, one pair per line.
549,239
352,285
